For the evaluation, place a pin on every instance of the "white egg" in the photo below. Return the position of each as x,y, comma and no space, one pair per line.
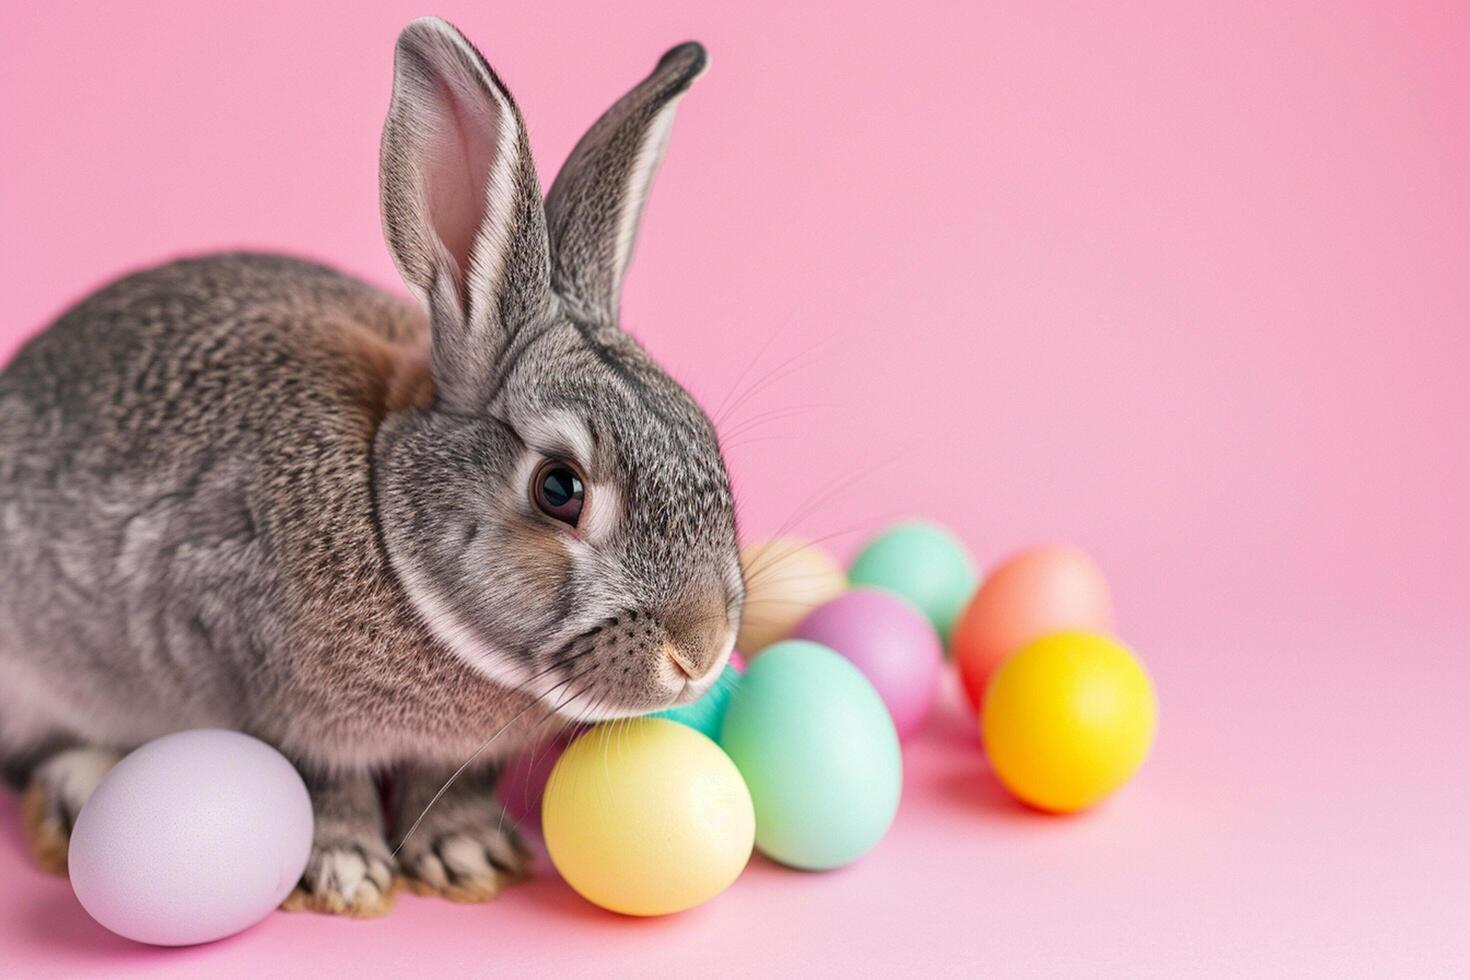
191,838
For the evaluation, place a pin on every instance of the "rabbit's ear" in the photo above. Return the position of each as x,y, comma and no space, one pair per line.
462,207
595,204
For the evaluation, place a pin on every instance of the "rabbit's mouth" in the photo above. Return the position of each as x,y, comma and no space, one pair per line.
673,676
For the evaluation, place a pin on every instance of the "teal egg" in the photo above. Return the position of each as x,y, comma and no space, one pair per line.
819,753
708,713
925,564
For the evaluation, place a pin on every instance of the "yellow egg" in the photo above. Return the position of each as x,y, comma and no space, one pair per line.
785,579
1068,719
647,817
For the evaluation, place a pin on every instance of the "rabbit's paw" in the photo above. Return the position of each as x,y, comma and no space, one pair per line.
58,788
346,877
464,855
350,871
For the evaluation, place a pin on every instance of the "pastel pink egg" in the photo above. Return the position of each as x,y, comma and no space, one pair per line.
522,782
890,641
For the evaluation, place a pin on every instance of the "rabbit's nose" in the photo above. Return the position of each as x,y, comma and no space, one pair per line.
682,662
699,636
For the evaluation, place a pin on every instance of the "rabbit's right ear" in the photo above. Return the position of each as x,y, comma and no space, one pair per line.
462,207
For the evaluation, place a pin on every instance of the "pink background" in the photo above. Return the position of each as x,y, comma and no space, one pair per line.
1187,284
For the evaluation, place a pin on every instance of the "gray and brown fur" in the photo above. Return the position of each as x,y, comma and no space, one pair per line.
245,491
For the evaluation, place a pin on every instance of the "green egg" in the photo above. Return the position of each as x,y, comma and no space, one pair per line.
819,753
708,713
925,564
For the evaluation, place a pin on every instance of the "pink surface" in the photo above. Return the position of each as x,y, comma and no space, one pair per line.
1185,284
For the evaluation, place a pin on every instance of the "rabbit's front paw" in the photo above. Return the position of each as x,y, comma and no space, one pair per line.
350,871
346,877
458,842
58,788
463,857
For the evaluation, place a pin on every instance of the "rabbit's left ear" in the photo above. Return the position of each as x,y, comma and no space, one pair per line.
596,202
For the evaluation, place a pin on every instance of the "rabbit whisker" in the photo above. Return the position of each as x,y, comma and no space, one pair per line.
479,751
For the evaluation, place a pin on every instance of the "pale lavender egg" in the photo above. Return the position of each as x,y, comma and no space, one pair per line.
191,838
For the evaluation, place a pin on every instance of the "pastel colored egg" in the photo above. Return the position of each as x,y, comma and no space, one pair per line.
925,564
647,817
1032,593
819,752
784,579
708,713
737,660
1068,719
890,641
191,838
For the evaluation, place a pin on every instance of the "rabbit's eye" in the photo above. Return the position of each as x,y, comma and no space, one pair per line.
557,491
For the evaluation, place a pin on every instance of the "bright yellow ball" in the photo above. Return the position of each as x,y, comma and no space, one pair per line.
647,817
785,578
1068,719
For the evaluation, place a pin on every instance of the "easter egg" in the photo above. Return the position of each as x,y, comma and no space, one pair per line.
647,817
784,580
1068,719
890,641
925,564
708,713
192,837
1038,591
819,752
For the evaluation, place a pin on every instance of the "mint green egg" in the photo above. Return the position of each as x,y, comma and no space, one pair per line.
819,753
925,564
708,713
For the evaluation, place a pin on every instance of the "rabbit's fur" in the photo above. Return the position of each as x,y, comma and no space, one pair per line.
245,491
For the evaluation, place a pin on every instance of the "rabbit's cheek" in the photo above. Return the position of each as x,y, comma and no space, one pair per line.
539,558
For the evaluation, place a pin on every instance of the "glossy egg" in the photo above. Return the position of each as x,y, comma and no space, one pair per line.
925,564
890,641
1068,719
647,817
785,579
192,837
1038,591
819,752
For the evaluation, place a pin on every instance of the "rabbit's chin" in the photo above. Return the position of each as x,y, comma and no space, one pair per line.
594,708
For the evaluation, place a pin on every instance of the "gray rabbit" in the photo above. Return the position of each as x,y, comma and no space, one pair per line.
245,491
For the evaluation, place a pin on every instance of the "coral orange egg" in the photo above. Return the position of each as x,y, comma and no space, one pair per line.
1035,592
